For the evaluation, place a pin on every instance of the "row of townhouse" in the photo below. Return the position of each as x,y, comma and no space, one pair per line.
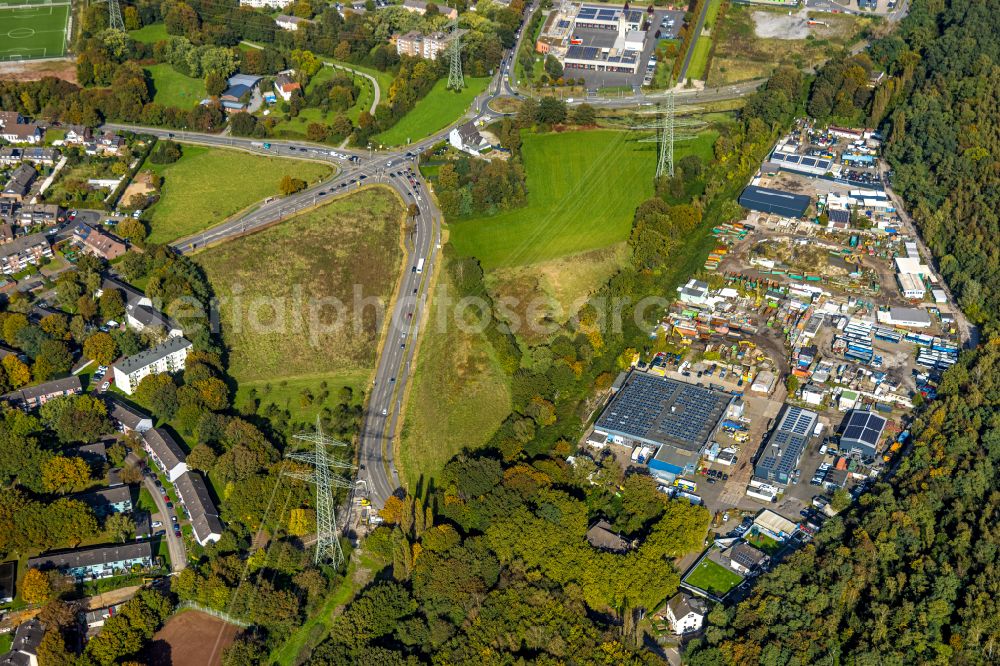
190,485
12,155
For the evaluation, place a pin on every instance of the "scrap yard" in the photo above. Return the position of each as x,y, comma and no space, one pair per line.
815,327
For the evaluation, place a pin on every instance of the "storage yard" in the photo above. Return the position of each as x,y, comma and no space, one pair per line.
792,362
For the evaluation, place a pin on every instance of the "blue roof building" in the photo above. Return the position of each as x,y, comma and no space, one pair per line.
766,200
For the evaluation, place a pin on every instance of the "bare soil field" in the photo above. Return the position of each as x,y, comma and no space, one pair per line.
33,70
191,638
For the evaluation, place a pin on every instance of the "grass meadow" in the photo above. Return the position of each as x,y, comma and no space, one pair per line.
171,88
440,108
207,185
266,283
455,370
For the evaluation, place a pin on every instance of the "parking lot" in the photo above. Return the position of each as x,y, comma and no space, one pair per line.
606,38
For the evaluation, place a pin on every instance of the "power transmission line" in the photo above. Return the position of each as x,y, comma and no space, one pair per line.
456,81
323,462
115,21
669,129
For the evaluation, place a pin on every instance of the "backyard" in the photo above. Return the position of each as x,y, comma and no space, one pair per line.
296,127
207,185
440,108
713,577
150,34
287,296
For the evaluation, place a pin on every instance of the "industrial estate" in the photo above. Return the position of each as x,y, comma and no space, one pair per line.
551,331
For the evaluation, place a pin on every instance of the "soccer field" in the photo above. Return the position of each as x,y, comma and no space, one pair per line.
32,30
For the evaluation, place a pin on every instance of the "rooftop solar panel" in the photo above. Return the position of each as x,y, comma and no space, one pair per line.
587,12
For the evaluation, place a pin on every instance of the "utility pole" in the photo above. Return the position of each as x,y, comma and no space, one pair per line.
323,462
456,81
666,125
115,16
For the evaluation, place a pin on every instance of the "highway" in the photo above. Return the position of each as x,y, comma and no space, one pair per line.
377,474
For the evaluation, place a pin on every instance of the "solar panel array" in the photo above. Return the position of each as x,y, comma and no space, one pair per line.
863,427
787,442
792,159
665,411
594,54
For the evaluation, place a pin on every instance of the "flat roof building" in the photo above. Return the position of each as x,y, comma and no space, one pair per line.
778,460
777,202
905,317
8,576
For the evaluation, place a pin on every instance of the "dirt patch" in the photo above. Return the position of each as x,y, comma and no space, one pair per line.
33,70
769,25
191,638
137,187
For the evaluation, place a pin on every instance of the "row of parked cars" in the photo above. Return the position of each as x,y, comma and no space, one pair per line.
170,505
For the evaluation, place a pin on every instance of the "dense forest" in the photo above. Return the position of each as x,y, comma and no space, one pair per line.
910,574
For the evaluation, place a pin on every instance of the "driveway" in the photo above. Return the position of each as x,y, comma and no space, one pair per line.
175,545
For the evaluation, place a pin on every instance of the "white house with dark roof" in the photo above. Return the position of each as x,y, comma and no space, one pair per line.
685,613
168,356
468,139
24,647
194,495
166,453
15,128
126,416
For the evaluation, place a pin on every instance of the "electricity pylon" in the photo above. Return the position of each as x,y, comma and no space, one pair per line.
321,475
115,21
455,79
666,126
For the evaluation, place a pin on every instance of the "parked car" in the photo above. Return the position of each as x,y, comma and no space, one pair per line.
157,523
105,385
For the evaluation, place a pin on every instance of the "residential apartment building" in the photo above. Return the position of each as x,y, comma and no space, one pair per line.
19,184
16,129
128,418
166,453
194,495
685,613
16,255
419,45
140,314
106,501
167,356
265,4
94,562
36,396
11,155
420,7
24,647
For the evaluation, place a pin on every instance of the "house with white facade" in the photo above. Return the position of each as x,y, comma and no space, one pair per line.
685,613
165,452
468,139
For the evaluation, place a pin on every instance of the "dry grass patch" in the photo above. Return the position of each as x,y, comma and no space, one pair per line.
277,289
543,296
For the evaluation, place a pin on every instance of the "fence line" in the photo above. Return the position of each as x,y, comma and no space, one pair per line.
225,617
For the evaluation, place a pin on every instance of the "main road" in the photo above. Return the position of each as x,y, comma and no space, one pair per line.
377,473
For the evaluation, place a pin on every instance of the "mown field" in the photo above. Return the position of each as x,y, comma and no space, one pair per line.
279,290
583,188
458,397
440,108
207,185
171,88
713,577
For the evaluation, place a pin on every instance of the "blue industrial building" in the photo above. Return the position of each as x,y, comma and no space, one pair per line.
777,462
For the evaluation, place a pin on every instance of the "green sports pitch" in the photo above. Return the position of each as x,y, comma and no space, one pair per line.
32,30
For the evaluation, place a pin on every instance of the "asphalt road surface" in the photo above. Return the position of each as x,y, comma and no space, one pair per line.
377,471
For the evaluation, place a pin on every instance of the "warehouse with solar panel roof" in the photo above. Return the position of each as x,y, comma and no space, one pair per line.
675,419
